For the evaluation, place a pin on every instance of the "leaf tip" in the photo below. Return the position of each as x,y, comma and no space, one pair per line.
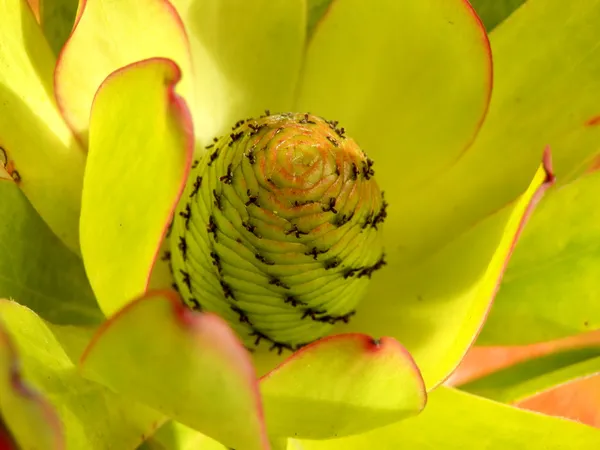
548,168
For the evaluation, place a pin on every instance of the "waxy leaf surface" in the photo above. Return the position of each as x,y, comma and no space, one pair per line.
111,34
246,58
141,145
551,288
342,385
22,408
34,140
454,419
91,415
36,269
194,369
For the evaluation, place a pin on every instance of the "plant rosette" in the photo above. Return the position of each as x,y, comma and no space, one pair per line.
246,224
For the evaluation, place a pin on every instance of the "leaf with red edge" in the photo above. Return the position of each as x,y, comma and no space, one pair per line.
397,87
140,153
454,420
546,86
23,408
546,92
529,378
551,287
342,385
187,365
577,400
35,142
437,306
247,57
117,33
93,417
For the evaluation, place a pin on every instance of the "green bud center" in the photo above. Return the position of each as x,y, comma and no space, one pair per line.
279,229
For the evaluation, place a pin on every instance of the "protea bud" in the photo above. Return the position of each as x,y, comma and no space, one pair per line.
278,230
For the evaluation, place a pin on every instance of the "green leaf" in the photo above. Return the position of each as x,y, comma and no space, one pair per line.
438,321
546,92
34,140
194,369
93,417
23,408
397,87
133,177
176,436
37,269
380,89
546,62
457,420
536,79
57,20
315,10
342,385
493,12
526,379
116,33
551,286
247,57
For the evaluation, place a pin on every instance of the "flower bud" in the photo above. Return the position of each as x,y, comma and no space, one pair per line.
279,229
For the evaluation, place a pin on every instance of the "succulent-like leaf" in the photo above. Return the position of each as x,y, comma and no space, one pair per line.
536,80
576,400
176,436
397,88
141,145
108,35
187,365
36,146
455,420
551,287
37,269
436,306
528,378
31,420
342,385
247,56
92,416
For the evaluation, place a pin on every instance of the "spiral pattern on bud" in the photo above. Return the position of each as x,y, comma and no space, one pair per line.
278,230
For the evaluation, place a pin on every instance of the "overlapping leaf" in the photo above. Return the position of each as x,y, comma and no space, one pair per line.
494,12
91,415
141,144
551,287
437,321
246,56
193,369
117,33
532,377
22,408
34,140
453,420
36,269
342,385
